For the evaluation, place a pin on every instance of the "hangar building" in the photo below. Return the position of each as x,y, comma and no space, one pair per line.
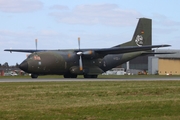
164,64
139,63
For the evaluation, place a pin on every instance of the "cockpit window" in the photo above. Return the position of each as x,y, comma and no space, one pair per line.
30,56
34,57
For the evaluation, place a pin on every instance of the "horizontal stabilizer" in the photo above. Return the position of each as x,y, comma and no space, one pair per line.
119,50
157,53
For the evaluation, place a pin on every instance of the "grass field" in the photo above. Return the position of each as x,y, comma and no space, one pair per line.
99,76
150,100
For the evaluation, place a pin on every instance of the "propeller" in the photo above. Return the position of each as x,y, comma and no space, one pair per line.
90,53
80,56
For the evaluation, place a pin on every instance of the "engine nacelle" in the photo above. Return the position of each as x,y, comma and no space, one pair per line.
89,54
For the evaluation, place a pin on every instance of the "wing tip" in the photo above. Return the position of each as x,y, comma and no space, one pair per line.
166,45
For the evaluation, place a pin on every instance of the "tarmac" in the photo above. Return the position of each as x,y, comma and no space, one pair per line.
90,79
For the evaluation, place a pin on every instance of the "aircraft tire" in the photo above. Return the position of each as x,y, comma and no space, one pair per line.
94,76
34,76
73,76
70,76
67,76
90,76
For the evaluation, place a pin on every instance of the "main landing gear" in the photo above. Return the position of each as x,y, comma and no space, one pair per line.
75,76
90,76
70,76
34,76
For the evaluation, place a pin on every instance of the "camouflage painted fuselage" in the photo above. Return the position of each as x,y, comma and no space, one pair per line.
67,62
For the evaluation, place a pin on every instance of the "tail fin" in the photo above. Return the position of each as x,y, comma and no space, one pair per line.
142,35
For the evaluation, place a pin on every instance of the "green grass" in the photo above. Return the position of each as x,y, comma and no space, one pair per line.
150,100
99,76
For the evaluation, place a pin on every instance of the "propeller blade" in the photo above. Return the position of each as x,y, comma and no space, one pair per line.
36,43
79,42
80,63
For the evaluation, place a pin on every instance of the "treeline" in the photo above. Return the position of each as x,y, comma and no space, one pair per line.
6,65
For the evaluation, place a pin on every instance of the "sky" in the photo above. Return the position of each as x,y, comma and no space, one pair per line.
57,24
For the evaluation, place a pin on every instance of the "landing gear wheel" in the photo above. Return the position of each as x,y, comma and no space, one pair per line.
34,76
73,76
90,76
66,76
70,76
94,76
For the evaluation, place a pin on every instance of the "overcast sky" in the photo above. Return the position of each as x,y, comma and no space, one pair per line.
100,23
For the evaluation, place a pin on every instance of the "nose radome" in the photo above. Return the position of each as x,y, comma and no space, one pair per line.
24,66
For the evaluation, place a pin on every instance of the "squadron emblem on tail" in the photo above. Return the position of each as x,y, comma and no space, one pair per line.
139,40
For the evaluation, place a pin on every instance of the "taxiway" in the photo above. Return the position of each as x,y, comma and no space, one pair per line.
82,79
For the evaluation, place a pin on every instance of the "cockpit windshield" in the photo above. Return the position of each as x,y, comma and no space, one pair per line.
30,56
34,57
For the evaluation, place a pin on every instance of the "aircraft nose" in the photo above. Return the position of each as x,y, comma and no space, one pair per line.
24,66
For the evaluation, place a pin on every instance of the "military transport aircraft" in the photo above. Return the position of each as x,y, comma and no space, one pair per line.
89,62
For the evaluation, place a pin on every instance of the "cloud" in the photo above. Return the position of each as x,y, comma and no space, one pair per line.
20,6
48,33
25,39
59,7
10,33
106,14
165,31
165,21
168,22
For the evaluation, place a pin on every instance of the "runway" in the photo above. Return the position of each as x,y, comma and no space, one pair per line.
82,79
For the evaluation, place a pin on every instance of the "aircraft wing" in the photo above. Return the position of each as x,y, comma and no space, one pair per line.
23,50
101,52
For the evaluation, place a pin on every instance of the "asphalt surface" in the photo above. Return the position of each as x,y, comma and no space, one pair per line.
82,79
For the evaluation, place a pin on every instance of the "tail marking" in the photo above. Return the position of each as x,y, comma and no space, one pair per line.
139,40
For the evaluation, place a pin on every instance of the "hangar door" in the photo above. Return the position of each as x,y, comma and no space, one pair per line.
169,66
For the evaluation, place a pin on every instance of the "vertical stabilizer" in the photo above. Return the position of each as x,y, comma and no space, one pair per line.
142,35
